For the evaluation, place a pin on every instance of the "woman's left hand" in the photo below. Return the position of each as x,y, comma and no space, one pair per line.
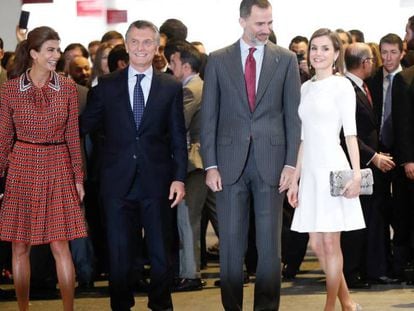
81,191
352,188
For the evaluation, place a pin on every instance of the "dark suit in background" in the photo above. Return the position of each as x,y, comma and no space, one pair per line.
249,150
403,123
360,247
384,203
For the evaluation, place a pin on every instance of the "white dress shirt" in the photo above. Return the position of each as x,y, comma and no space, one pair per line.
258,57
145,83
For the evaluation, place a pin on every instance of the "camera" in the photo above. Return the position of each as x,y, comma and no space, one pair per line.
300,57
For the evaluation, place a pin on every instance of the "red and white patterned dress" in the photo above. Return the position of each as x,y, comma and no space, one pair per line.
40,149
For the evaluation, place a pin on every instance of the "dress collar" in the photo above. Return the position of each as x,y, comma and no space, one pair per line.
26,83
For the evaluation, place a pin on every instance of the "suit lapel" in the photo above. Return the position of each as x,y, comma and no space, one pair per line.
363,101
362,98
270,60
233,63
123,92
377,91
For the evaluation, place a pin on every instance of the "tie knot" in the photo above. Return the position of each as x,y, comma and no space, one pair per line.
389,77
251,51
140,76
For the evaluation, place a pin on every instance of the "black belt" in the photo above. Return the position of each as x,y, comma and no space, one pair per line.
42,144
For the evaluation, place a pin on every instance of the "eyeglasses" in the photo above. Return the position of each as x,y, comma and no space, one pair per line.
372,59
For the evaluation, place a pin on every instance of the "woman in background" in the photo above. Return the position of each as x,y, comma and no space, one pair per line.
100,65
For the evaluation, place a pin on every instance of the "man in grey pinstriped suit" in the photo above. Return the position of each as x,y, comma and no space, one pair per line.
249,154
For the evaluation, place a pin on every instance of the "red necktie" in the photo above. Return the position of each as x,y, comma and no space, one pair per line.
367,92
250,78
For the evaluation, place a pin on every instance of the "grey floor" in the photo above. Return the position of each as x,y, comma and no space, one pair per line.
305,293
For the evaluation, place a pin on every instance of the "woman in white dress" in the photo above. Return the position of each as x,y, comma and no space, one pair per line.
327,105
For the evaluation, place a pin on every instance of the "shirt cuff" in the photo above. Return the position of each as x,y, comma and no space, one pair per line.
370,160
210,167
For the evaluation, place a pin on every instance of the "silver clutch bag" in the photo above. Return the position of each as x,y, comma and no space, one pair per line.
338,180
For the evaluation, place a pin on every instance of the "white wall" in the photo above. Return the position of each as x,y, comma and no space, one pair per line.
214,22
9,17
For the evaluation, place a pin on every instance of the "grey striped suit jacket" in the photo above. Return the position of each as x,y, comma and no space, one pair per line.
228,126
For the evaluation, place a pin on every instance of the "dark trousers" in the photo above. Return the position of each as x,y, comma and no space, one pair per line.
123,217
354,245
189,221
403,222
43,269
96,225
379,221
250,259
5,255
83,259
209,213
233,204
294,243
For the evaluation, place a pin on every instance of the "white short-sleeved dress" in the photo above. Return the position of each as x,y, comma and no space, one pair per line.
326,106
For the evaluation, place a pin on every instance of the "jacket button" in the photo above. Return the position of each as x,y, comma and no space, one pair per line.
134,156
137,138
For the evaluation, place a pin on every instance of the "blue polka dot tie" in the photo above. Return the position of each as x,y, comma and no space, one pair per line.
138,100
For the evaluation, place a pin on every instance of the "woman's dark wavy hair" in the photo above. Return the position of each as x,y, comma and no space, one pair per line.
34,41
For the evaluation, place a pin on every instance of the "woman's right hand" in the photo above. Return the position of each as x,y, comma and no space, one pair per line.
353,187
292,194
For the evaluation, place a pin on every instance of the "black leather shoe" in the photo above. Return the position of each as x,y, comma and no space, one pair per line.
186,285
85,288
142,285
5,295
358,284
385,280
43,294
246,279
288,272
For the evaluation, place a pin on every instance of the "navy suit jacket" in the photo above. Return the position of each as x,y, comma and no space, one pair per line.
403,115
366,126
157,151
375,85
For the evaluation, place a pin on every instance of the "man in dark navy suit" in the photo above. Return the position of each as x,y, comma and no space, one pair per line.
362,247
143,164
389,194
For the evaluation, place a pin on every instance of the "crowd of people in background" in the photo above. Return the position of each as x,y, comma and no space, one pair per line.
158,121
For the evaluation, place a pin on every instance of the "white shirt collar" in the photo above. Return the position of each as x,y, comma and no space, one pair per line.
245,47
132,72
386,73
358,81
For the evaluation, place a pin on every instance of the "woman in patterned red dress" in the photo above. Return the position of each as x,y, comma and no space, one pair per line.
40,150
